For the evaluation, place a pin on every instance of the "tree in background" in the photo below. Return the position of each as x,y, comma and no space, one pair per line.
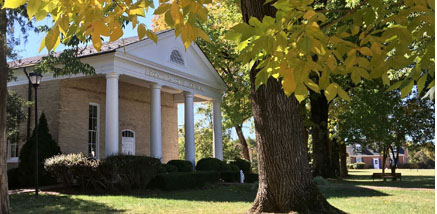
203,135
223,56
384,121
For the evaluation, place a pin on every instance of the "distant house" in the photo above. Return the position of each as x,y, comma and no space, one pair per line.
372,158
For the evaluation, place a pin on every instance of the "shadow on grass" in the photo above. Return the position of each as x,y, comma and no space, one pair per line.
408,181
28,203
347,190
214,193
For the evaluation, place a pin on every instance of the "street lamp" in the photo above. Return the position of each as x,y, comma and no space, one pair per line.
35,79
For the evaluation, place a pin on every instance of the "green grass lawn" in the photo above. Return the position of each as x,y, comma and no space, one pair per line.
357,194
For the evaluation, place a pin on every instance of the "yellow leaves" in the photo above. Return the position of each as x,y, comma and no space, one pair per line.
331,62
116,31
52,38
162,9
141,30
288,82
97,42
366,51
100,28
152,35
176,14
12,4
309,14
32,7
188,35
333,90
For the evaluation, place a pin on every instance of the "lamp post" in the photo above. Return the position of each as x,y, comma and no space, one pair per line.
35,79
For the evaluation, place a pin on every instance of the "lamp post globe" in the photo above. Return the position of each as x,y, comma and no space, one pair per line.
35,79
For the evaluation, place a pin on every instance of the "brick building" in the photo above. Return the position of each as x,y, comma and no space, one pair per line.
130,104
372,158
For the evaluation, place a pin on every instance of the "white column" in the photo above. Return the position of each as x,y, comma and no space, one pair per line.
190,149
217,123
111,124
155,121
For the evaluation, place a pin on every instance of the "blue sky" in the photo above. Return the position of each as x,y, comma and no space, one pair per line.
31,47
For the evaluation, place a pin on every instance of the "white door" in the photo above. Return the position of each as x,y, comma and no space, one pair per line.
128,142
376,163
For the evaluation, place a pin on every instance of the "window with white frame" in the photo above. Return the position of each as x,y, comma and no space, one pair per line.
93,130
176,57
12,150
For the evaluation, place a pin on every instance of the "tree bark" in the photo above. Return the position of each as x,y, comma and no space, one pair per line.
343,161
285,181
394,162
243,143
323,162
4,198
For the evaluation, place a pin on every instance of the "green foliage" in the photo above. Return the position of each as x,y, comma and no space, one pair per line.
131,171
14,178
47,148
242,164
182,165
250,178
167,168
423,160
359,165
15,114
233,167
211,164
230,176
119,171
203,137
71,167
184,180
368,40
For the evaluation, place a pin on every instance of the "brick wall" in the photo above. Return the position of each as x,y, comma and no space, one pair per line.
65,103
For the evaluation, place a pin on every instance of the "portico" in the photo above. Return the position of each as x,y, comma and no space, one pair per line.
183,76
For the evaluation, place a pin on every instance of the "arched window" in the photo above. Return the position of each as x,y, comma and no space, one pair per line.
176,57
127,133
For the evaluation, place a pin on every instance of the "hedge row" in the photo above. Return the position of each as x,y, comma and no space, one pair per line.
184,180
119,171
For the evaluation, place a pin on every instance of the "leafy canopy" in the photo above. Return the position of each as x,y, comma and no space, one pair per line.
364,41
298,43
104,18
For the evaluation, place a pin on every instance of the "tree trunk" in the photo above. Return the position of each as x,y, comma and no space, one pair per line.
384,158
285,181
343,160
323,163
4,198
243,144
335,158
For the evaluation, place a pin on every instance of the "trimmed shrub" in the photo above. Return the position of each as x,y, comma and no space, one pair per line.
47,148
130,171
70,168
250,177
359,165
184,180
350,166
230,176
124,171
211,164
167,168
242,164
13,178
233,167
182,165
